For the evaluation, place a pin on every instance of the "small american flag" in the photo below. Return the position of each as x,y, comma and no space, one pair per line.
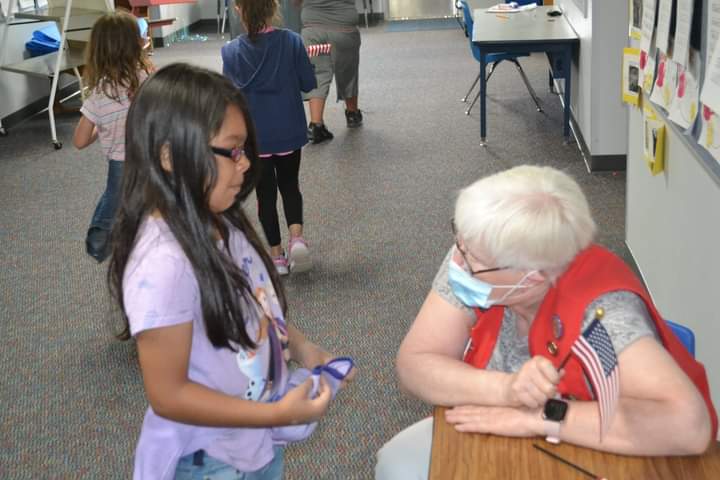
597,355
315,50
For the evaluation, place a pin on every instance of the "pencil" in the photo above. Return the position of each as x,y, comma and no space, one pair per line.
567,462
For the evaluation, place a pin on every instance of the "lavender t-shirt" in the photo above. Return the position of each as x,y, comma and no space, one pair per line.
160,290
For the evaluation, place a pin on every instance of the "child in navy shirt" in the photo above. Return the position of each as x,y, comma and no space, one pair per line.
272,68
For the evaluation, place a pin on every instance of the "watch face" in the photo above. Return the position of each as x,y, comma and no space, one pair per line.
555,410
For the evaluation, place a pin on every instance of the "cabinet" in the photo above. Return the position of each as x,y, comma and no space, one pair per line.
75,19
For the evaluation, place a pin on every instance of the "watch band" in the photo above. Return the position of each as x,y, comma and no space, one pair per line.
552,431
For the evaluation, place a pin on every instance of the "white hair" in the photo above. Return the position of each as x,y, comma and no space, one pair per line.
527,217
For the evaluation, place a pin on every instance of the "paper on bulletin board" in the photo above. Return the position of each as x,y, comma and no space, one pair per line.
648,24
631,76
683,26
711,84
713,30
665,82
684,107
647,72
653,140
709,137
635,28
662,31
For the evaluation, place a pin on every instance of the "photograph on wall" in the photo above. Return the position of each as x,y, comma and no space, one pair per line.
684,107
635,18
631,76
653,140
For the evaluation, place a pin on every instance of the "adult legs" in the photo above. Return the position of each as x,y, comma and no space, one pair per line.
323,74
346,64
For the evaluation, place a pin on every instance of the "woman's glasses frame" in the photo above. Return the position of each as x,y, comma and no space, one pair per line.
463,255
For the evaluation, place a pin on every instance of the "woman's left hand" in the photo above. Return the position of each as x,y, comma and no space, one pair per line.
505,421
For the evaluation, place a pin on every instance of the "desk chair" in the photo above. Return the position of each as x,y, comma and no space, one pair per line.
684,334
494,59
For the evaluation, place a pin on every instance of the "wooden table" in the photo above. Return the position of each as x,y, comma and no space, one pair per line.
457,456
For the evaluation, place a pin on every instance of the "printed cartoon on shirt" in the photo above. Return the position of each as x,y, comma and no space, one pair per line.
264,300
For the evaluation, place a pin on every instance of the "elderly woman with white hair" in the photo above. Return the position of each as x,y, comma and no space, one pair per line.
494,337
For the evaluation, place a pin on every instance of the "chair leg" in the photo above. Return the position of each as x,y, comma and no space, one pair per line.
492,69
527,84
467,112
477,79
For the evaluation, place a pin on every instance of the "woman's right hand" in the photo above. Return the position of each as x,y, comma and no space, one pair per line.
533,384
297,407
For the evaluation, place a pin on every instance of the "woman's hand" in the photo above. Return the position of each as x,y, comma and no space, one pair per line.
533,384
505,421
296,407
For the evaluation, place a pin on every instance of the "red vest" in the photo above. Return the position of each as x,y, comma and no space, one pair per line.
594,272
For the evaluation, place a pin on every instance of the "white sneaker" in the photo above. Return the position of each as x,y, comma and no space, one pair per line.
299,255
281,264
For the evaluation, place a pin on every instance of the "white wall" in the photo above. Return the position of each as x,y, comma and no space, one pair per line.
596,103
672,230
185,14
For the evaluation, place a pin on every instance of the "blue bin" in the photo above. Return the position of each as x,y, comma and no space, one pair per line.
44,41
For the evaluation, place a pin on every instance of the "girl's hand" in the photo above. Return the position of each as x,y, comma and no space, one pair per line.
297,407
533,384
316,355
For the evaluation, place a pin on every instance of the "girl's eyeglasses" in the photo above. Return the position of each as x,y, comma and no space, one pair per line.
462,254
234,154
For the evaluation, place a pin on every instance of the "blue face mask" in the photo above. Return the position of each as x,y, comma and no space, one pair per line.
476,293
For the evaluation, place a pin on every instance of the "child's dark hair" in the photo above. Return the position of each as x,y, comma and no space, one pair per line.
255,13
114,54
178,111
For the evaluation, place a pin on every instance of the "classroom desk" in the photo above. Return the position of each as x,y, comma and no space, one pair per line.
458,456
529,31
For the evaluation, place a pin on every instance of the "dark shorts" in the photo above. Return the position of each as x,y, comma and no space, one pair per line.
343,62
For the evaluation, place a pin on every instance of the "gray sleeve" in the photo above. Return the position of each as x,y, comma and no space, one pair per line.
441,286
626,318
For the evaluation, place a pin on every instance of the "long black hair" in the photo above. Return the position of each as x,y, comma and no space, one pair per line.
178,110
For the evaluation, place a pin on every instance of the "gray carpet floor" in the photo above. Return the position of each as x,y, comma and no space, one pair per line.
378,203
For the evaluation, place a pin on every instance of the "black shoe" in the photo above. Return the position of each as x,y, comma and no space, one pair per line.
318,133
97,244
354,119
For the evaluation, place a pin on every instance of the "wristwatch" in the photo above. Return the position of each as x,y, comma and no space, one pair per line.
553,415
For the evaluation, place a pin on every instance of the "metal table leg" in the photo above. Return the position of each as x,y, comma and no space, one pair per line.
483,92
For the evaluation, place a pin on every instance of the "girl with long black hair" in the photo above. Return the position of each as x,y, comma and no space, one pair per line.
198,292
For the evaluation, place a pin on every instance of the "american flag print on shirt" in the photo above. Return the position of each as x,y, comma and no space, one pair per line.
595,351
316,50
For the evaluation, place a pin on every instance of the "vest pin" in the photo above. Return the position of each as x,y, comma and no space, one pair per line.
558,328
552,348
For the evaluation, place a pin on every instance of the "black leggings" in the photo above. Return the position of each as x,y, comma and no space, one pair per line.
279,173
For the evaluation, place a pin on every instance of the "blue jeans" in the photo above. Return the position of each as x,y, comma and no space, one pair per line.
97,242
198,466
